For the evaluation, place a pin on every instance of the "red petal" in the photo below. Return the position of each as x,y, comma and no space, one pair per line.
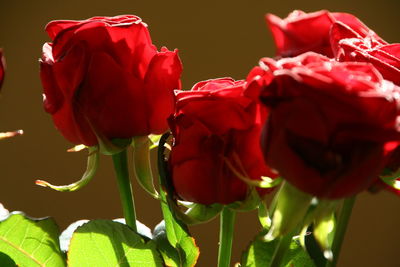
162,78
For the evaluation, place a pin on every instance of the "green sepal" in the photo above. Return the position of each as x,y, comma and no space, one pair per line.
155,139
199,213
142,164
263,215
91,169
392,180
114,146
324,226
250,203
291,207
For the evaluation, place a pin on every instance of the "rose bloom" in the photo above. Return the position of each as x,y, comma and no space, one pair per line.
216,129
348,45
302,32
103,78
331,125
2,67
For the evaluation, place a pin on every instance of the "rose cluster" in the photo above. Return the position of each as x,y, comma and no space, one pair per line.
333,103
103,80
326,108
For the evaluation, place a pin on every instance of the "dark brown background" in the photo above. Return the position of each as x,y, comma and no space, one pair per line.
215,38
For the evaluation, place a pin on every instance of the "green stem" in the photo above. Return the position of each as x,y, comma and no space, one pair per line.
227,221
281,249
341,227
125,188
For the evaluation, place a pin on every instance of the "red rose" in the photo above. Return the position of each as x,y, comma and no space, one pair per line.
348,45
215,124
103,78
331,125
302,32
2,67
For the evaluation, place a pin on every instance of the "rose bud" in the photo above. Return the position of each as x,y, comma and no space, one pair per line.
104,79
331,124
216,153
302,32
348,45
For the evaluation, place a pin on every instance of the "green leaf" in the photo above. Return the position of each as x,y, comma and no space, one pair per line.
259,253
30,242
66,235
184,255
176,231
263,215
107,243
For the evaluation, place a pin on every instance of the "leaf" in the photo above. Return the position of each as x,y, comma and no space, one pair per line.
176,231
175,257
30,242
66,235
107,243
142,229
259,253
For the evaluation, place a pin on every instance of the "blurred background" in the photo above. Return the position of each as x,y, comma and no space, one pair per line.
215,39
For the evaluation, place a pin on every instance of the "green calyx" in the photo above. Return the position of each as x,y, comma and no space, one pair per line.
142,164
290,208
294,211
113,146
